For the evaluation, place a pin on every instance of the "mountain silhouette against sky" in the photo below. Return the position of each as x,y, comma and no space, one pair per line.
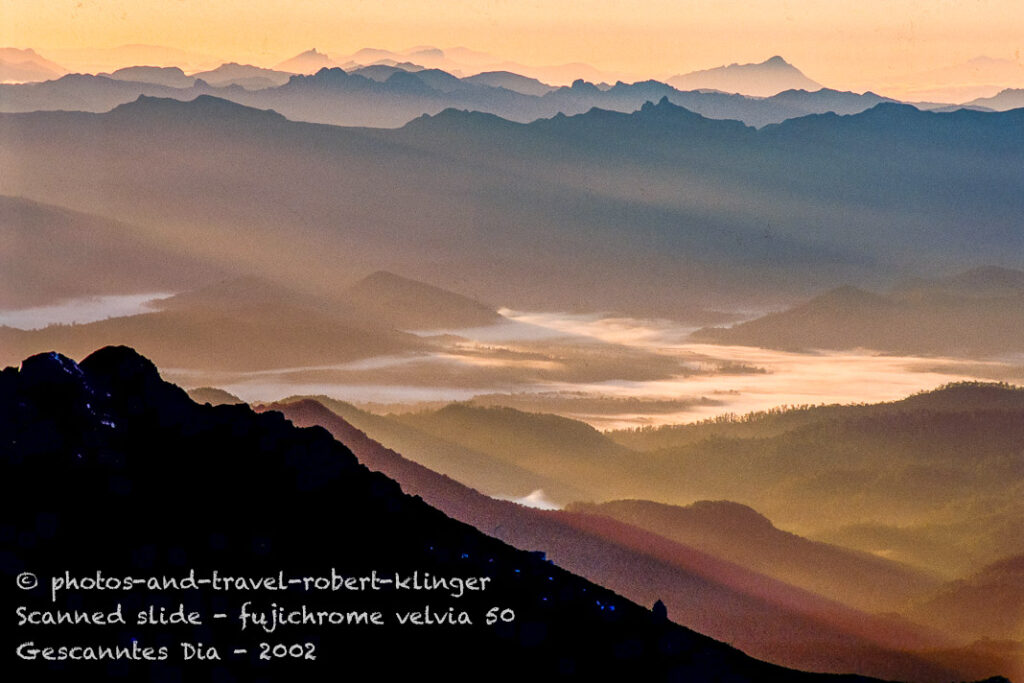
26,65
390,94
547,197
170,76
111,425
740,534
1004,100
307,62
698,589
770,77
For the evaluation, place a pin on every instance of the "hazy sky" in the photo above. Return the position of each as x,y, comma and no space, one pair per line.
840,42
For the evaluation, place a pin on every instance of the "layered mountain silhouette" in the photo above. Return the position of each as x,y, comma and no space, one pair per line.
461,60
481,470
545,210
767,78
242,324
740,534
697,589
930,480
987,604
202,328
110,426
393,93
1010,98
975,313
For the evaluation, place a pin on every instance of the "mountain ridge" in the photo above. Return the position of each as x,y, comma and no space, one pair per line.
113,407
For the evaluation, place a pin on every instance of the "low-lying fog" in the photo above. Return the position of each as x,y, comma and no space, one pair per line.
609,371
79,310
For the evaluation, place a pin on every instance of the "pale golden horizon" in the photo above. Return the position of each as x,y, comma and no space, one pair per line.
843,44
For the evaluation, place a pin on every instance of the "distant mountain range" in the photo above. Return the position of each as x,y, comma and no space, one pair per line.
975,78
698,589
110,425
976,313
821,471
1010,98
770,77
904,479
739,534
18,65
386,95
679,206
204,328
987,604
307,62
980,77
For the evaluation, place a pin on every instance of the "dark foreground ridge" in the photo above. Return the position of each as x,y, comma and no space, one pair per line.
106,467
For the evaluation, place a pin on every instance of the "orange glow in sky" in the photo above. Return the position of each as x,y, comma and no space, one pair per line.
842,43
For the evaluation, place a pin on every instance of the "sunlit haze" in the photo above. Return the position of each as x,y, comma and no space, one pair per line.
842,43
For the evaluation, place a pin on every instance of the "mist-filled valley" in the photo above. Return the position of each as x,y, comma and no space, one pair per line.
731,342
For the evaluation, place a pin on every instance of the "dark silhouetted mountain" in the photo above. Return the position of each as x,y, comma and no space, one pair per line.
739,534
244,75
608,210
203,109
767,78
170,76
97,256
1010,98
977,313
107,445
695,588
